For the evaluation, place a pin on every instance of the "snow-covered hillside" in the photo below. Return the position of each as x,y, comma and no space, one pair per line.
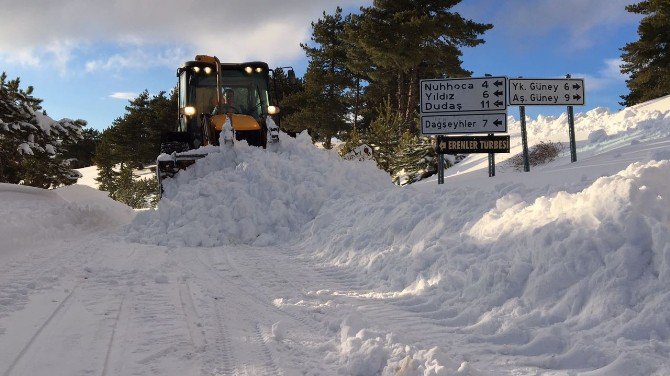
293,261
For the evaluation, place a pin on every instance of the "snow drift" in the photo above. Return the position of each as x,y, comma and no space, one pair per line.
248,195
34,215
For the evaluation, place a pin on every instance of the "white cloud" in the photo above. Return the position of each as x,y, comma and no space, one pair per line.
605,78
612,70
138,57
124,95
234,30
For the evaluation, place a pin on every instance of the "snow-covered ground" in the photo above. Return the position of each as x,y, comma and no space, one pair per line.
294,262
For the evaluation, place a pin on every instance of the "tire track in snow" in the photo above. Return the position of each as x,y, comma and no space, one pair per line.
418,317
39,331
243,281
192,318
105,366
18,277
271,363
224,357
217,351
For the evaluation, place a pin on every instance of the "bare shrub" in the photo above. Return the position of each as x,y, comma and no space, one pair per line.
538,154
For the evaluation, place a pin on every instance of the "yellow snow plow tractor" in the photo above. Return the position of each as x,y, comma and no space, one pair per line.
219,103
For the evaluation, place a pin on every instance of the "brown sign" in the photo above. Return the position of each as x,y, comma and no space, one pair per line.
472,144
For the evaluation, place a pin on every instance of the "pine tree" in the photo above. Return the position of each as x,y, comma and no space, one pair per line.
106,158
323,105
133,141
384,136
81,152
31,143
648,59
134,192
395,43
415,159
282,87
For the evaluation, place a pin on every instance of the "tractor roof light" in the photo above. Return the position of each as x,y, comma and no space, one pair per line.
208,70
259,70
189,111
249,70
196,69
273,110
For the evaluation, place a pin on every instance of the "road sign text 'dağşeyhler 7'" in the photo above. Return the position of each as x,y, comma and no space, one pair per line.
546,91
454,95
469,122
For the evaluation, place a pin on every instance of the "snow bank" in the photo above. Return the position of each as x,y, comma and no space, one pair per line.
571,281
248,195
32,215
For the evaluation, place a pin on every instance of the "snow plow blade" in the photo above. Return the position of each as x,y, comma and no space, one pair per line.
168,165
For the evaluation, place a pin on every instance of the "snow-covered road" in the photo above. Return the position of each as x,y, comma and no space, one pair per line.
101,306
295,262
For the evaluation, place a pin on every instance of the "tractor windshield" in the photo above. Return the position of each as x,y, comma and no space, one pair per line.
241,93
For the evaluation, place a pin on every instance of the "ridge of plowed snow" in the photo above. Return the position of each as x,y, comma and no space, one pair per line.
248,195
34,215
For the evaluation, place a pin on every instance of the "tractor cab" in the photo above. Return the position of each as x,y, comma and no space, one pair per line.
211,93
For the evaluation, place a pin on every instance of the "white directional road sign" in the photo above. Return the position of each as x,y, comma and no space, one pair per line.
457,95
546,91
464,123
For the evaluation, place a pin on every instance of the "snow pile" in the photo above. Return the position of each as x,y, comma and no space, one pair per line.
567,281
34,215
248,195
364,352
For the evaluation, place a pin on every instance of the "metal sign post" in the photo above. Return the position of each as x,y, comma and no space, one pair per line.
440,169
492,162
571,132
524,138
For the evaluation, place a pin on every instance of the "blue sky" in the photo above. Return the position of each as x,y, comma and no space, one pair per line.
85,59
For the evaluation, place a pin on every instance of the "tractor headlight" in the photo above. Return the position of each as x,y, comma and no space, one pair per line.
249,70
189,111
273,110
208,70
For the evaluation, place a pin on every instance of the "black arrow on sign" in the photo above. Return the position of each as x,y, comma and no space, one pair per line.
498,103
576,86
577,97
497,122
498,83
498,93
